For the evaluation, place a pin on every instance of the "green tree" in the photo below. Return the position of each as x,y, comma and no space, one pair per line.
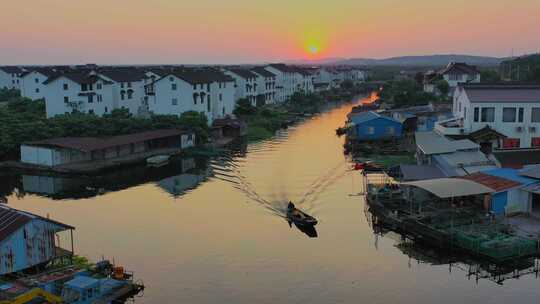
490,76
347,85
443,87
244,107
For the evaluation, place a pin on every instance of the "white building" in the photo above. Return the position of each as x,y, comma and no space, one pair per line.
127,88
266,85
245,84
10,77
455,73
302,80
78,92
511,110
31,82
284,81
206,91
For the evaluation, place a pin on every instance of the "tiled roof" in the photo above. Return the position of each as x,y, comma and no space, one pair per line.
459,68
201,76
88,144
494,182
11,69
246,74
78,77
261,71
124,74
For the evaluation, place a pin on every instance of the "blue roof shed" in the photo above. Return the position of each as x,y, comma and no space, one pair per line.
373,126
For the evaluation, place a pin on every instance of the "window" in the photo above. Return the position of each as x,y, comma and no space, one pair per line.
173,86
535,142
220,97
510,143
459,107
223,111
122,94
90,111
36,80
37,90
208,104
488,115
129,84
130,94
90,98
100,98
99,86
195,96
465,113
509,115
370,130
65,87
171,78
194,86
106,110
66,99
454,77
122,85
520,115
174,101
84,87
208,87
535,115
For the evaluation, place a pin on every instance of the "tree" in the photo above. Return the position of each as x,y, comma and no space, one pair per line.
244,107
490,76
347,85
443,87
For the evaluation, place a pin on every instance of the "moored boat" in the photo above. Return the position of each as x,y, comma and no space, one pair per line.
158,160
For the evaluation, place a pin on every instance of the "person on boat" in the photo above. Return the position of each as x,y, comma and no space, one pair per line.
290,206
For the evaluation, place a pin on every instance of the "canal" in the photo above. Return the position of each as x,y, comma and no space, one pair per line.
212,231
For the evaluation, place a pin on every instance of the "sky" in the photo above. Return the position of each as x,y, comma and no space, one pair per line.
254,31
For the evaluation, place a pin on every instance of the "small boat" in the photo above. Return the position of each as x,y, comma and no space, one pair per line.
158,160
299,217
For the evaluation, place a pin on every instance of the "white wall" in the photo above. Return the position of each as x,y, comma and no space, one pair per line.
463,108
32,85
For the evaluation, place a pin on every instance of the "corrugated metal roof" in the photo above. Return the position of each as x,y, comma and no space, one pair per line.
494,182
12,219
532,171
450,187
88,144
433,143
511,174
417,172
361,117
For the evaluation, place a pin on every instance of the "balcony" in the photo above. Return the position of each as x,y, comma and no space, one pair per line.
453,126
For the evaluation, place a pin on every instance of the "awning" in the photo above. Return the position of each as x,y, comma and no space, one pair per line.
450,187
534,188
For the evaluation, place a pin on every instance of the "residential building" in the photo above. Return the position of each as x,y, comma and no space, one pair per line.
372,126
245,84
10,77
455,73
78,92
32,82
452,157
128,88
67,150
266,87
513,111
285,79
28,240
302,80
203,90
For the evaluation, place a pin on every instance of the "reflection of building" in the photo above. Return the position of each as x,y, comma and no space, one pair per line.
49,185
179,184
28,240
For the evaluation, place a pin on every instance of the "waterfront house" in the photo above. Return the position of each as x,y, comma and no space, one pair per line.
266,85
78,91
284,80
32,82
67,150
372,126
452,157
10,77
510,194
203,90
511,112
28,240
127,86
245,84
455,73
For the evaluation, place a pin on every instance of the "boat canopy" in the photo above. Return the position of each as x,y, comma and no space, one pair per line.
450,187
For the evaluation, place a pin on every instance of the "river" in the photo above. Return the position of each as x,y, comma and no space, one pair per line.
212,231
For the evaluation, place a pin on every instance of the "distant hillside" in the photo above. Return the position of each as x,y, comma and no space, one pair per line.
429,60
524,68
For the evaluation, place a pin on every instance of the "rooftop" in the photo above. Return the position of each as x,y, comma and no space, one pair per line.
88,144
361,117
494,182
246,74
11,69
261,71
503,93
433,143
